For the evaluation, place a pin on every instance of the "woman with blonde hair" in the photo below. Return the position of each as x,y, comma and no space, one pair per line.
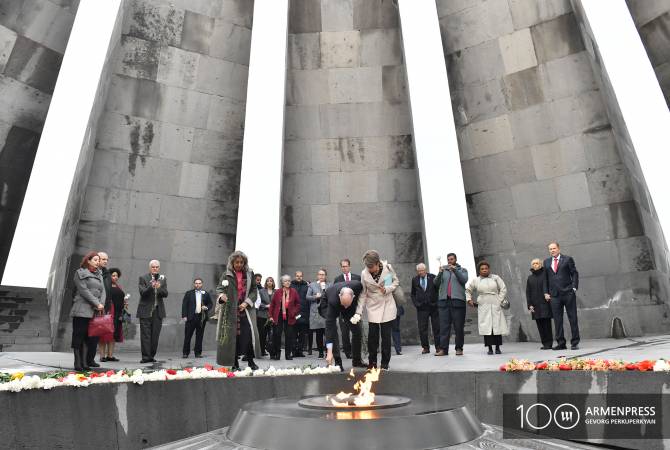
538,305
379,281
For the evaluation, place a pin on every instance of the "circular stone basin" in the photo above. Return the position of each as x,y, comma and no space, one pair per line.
381,402
394,422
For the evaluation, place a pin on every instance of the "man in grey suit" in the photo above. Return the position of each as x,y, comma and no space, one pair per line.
151,309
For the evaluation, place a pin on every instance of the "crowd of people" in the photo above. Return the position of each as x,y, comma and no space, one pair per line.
254,316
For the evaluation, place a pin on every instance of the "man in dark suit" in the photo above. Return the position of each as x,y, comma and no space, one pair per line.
345,325
194,309
342,300
424,298
151,310
562,285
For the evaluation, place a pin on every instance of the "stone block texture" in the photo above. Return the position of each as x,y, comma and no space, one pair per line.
164,182
350,179
542,161
652,19
33,35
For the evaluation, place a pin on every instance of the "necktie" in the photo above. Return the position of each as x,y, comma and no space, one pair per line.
423,283
554,265
346,277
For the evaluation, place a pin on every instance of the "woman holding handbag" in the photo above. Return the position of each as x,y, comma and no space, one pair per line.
117,304
379,283
89,297
490,298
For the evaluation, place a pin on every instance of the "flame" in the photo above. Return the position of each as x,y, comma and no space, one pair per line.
365,396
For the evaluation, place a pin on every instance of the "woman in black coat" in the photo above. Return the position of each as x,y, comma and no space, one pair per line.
540,309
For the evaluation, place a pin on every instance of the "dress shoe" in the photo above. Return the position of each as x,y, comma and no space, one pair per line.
320,353
359,363
441,353
498,352
198,356
490,352
425,351
560,347
574,347
104,359
545,347
244,358
398,352
146,360
184,356
112,358
252,365
459,352
153,359
93,364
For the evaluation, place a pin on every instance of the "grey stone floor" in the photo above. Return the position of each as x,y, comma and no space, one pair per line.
475,358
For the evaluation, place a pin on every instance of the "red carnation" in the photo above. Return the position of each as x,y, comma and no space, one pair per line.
503,368
542,365
565,366
208,367
230,374
171,372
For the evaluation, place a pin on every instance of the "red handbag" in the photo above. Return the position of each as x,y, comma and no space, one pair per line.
100,325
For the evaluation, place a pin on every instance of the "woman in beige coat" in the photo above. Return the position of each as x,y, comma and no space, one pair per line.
489,290
379,281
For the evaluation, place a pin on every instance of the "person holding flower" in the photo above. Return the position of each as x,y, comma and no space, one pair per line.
237,332
89,297
538,305
315,293
151,309
284,312
379,281
487,292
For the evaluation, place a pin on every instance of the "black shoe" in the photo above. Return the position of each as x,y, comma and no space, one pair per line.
198,355
264,354
153,359
252,364
490,352
498,352
77,360
359,363
93,364
574,347
372,365
320,353
560,347
184,356
244,358
112,358
425,351
146,360
299,355
398,352
103,359
545,347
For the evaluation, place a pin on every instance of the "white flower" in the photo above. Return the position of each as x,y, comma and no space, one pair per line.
161,277
224,283
661,366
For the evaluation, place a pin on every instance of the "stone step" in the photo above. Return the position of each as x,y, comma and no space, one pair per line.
11,339
25,347
26,332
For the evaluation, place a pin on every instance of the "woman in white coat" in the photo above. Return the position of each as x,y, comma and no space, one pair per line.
489,290
379,281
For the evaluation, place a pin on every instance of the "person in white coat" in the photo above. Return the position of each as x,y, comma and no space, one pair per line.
489,291
379,281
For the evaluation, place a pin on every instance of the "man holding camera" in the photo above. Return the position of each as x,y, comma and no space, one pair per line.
151,310
450,283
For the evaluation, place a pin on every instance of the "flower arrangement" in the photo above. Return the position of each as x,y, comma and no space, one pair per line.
19,381
647,365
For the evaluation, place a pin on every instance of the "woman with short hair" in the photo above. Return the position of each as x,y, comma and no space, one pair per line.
266,294
89,297
539,307
315,292
379,281
283,312
489,291
114,306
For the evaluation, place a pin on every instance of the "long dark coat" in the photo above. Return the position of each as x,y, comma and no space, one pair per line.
536,286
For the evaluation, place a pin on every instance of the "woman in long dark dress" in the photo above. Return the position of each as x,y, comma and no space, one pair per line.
115,307
539,307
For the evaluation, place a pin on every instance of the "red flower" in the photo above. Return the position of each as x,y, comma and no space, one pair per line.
230,374
208,366
94,375
542,365
503,368
109,373
222,369
631,366
188,369
564,366
646,365
171,372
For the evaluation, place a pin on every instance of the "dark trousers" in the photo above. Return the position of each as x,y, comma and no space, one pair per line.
262,332
567,301
282,326
319,338
244,344
395,334
544,327
302,331
374,330
91,348
79,331
452,312
423,315
356,343
198,326
310,340
150,331
345,328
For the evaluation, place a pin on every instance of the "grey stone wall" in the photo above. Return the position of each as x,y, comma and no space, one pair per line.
652,19
540,162
33,36
164,182
349,171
